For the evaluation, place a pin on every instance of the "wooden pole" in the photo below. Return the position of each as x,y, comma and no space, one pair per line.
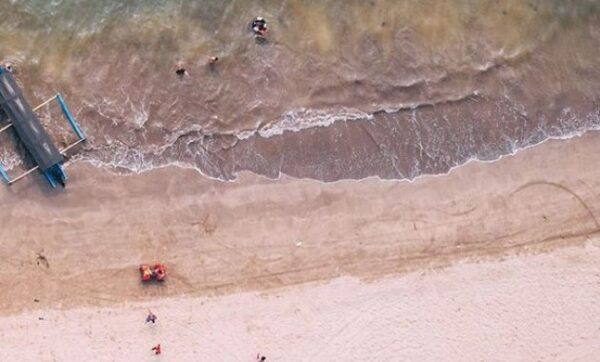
23,175
72,145
5,127
46,102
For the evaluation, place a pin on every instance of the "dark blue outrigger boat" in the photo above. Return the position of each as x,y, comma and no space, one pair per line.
16,111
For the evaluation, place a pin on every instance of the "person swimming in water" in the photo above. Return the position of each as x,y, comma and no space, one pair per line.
259,26
180,68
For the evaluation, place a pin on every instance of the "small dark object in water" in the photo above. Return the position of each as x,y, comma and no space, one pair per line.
259,26
180,68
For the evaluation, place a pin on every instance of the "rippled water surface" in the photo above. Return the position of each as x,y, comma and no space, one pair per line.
341,89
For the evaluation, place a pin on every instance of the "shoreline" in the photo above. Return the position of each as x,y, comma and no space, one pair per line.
257,234
123,168
179,165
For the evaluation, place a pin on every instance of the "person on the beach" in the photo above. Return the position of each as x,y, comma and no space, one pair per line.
259,26
151,317
213,60
157,349
260,358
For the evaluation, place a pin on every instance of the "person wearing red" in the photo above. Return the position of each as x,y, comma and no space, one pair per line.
157,349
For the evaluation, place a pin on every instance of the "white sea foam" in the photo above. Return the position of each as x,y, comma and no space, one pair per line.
137,161
10,160
302,118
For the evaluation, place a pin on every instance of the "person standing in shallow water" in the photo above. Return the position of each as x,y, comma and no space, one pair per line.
259,27
212,63
180,69
8,66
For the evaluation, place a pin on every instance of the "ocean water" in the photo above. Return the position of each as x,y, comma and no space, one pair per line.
340,89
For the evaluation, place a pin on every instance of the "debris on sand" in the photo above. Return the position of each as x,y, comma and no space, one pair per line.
41,259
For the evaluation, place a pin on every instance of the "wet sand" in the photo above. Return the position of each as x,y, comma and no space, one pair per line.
257,234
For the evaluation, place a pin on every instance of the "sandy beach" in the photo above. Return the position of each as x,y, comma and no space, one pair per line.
255,235
525,308
325,181
219,237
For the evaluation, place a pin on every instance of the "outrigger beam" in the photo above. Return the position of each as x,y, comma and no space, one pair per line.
68,115
5,127
70,118
4,175
49,174
10,182
45,102
64,150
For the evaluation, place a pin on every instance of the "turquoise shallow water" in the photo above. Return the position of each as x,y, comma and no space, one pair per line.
341,89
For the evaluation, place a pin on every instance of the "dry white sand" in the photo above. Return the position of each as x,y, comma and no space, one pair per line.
525,308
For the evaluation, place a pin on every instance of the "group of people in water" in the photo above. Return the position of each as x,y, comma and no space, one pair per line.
259,28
